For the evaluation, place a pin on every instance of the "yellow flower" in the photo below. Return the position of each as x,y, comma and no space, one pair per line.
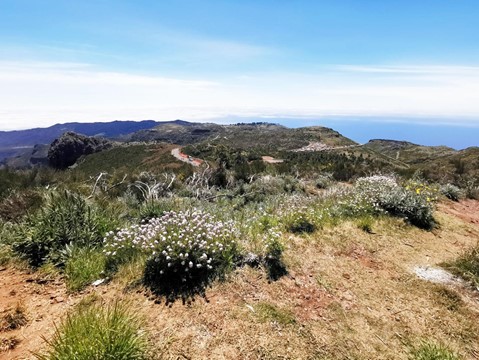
418,191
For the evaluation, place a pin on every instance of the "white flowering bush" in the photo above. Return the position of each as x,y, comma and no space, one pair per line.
186,250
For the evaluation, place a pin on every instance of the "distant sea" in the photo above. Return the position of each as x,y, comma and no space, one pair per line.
362,129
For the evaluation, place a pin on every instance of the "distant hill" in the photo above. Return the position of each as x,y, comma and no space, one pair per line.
408,152
20,149
20,143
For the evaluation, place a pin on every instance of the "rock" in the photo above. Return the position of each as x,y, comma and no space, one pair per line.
68,148
98,282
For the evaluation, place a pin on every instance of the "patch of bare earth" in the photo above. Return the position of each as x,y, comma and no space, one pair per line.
271,160
467,210
348,295
42,302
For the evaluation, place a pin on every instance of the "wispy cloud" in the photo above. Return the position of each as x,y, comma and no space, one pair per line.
412,69
39,93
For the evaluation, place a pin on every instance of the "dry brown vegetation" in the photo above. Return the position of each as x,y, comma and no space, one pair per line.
348,295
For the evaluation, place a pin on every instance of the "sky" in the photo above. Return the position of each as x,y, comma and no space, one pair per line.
378,61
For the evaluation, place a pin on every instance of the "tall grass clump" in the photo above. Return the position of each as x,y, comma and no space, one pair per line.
186,251
66,219
97,332
83,266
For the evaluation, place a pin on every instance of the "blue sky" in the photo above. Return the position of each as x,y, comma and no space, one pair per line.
200,60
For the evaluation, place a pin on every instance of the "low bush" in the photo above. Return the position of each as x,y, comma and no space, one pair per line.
324,181
452,192
273,255
66,219
382,194
186,251
97,331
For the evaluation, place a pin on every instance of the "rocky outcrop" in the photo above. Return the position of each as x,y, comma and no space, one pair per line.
68,148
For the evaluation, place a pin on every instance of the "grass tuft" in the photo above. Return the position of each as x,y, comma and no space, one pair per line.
98,332
269,312
431,351
83,266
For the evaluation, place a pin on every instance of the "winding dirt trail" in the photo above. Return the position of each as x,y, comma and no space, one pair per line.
185,158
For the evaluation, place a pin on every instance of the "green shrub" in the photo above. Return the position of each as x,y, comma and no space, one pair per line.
66,219
431,351
98,332
324,181
83,266
452,192
187,250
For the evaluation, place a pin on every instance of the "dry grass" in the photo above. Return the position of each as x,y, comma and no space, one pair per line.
8,343
12,319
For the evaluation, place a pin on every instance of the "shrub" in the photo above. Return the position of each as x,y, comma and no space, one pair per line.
84,265
66,219
98,332
186,251
324,181
452,192
380,194
407,204
273,256
431,351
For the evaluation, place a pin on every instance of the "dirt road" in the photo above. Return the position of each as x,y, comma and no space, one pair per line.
185,158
